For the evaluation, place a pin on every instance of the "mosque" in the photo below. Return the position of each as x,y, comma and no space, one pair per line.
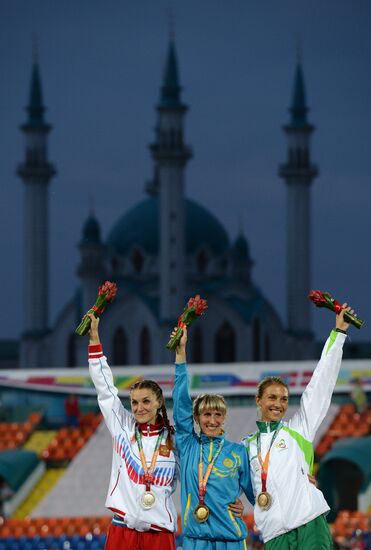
165,249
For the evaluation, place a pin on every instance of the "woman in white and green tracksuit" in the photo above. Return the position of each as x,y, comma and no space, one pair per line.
291,514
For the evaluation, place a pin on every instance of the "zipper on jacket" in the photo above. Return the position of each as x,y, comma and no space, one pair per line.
117,480
167,509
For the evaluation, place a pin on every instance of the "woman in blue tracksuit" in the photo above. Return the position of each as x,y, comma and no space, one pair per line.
209,485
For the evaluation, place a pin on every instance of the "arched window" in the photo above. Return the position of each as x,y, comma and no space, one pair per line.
201,261
225,344
196,345
256,340
144,346
71,350
137,260
120,347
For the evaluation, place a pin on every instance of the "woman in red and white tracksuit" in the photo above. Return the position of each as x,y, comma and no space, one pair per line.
144,466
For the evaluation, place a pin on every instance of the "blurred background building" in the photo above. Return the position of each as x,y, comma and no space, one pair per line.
164,250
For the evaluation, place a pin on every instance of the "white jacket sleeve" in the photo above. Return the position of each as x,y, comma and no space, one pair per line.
316,398
117,418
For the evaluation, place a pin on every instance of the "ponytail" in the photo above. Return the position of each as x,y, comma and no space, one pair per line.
169,427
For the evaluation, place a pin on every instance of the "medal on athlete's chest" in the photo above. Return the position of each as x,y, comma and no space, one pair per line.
201,512
264,499
148,497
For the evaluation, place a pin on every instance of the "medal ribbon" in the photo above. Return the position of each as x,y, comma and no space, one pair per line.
264,464
202,479
148,473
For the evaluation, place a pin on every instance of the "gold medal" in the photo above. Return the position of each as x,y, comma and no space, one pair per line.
264,500
201,513
148,499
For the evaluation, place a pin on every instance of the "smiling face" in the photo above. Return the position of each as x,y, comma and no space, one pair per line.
273,403
211,422
144,406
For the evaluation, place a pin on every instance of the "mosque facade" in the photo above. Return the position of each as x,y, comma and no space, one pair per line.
165,249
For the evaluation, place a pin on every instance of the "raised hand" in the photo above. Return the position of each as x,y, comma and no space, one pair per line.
180,351
93,331
341,323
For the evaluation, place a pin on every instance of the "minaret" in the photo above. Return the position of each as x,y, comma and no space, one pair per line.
91,269
298,173
241,260
170,156
36,173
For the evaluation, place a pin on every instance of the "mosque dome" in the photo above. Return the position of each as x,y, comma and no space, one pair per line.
140,226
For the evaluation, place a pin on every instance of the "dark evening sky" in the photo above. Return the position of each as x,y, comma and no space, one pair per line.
101,66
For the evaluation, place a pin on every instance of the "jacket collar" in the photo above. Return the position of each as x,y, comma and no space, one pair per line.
208,438
152,429
267,427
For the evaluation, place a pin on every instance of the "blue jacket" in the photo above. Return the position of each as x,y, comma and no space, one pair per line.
229,476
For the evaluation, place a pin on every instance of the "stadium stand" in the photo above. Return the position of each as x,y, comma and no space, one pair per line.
347,423
40,440
82,490
45,484
15,434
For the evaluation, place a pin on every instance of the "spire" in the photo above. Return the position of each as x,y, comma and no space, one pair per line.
242,262
298,107
91,230
35,107
170,89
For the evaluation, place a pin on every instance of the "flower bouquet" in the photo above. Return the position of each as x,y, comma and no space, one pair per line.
324,299
106,294
195,308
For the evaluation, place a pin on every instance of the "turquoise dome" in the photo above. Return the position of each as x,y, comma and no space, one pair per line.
139,226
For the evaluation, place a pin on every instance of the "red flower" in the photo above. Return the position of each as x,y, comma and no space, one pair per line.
194,308
324,299
106,294
109,290
317,297
198,303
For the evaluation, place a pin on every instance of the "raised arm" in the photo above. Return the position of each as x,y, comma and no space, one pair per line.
182,403
114,413
316,398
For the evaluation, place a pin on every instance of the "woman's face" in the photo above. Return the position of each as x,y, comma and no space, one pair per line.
273,403
144,406
211,422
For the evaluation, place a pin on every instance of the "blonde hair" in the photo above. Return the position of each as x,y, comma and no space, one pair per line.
209,402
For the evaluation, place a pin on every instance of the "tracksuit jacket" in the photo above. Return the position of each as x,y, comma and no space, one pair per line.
230,474
126,483
296,501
